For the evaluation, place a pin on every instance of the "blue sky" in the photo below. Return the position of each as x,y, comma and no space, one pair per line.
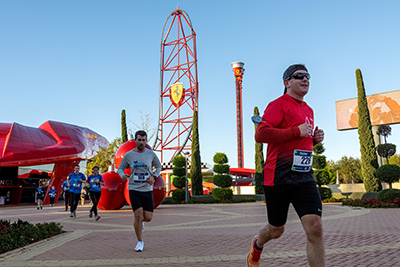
82,62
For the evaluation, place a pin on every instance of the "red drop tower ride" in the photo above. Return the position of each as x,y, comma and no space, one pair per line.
238,71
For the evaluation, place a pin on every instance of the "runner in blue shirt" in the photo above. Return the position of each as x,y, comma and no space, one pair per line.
67,196
40,196
95,182
52,196
75,181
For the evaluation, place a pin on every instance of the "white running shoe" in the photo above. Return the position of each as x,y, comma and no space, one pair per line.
139,246
142,226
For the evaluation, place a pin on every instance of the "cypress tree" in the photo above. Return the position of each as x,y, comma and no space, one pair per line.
195,167
369,160
124,132
259,161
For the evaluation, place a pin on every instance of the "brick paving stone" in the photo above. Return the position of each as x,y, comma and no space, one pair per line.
205,235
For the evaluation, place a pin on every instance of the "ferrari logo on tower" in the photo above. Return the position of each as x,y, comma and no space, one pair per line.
176,93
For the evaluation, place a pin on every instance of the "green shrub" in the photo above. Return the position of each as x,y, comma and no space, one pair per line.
21,233
207,201
386,150
222,180
319,149
388,173
220,158
331,200
324,192
321,177
372,203
319,162
369,195
179,161
179,171
179,182
388,194
221,168
222,193
178,195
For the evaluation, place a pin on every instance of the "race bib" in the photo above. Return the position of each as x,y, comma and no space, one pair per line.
140,178
302,160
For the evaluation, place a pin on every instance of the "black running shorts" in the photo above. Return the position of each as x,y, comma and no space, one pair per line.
141,200
304,197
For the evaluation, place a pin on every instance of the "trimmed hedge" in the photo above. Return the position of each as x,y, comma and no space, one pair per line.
178,195
222,193
220,158
324,192
208,201
21,233
221,168
179,161
222,180
179,171
388,173
321,177
388,194
319,162
179,182
372,203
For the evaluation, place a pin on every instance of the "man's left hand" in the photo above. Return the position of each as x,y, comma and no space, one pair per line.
150,180
318,135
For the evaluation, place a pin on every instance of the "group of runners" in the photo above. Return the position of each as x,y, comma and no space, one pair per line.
287,126
41,192
72,188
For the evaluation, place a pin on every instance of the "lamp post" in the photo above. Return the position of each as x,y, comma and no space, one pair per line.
186,154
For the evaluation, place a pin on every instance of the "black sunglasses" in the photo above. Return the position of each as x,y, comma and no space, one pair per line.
300,76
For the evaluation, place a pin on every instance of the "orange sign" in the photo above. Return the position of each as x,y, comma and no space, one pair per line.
383,108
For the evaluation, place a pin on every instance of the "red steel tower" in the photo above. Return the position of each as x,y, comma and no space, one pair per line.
178,86
238,71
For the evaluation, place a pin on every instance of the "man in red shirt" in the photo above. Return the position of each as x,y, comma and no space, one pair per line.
287,126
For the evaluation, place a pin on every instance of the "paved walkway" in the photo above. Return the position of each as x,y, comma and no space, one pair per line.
205,235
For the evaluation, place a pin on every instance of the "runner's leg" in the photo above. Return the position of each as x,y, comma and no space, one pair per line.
312,225
137,223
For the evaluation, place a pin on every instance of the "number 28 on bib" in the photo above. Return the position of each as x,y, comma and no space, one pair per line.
302,160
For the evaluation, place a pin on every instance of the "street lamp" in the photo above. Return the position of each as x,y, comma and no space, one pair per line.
186,154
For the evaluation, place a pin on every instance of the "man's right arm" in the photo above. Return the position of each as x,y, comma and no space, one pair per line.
266,134
122,166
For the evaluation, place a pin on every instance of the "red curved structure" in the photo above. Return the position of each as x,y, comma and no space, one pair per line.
112,193
179,88
246,176
60,143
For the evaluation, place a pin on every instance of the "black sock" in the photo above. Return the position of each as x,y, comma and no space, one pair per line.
255,245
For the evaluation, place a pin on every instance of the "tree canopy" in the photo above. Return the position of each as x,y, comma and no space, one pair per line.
349,169
105,157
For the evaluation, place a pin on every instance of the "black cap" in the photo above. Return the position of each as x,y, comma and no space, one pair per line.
292,69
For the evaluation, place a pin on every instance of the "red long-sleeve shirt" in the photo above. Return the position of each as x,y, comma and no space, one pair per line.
279,128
